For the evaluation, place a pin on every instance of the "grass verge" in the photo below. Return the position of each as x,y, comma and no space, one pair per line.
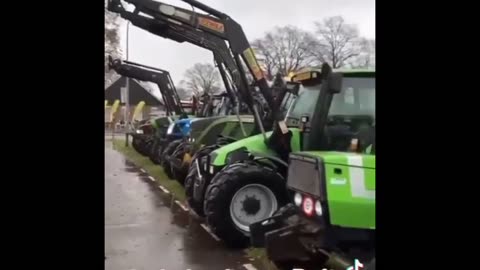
260,255
152,169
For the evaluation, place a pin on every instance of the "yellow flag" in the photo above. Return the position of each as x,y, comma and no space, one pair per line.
138,110
114,109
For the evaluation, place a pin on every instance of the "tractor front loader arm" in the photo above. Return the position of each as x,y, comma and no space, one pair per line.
182,34
221,25
150,74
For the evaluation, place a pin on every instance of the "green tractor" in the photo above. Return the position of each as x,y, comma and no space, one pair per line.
331,181
245,181
220,132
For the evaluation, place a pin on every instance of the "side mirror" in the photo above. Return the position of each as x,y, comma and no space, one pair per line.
334,82
293,88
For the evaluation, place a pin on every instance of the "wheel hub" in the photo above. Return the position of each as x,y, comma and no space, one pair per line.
251,205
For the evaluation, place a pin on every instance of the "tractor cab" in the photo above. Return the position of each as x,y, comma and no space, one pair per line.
339,117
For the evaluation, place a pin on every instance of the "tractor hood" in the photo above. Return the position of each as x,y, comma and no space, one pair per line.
198,125
252,144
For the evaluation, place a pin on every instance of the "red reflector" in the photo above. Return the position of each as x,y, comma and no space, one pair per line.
308,206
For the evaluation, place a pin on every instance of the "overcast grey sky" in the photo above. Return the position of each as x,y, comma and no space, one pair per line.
255,16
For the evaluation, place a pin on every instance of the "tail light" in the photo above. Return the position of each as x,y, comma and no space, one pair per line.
308,206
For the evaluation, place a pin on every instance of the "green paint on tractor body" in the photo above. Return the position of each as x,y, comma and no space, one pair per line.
228,126
350,187
253,144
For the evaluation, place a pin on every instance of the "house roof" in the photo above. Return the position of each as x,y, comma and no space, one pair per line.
137,93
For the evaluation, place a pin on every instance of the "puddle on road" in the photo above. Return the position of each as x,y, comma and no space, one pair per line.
179,216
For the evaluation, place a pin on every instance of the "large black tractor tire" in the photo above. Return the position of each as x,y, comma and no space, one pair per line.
224,186
168,151
140,145
156,152
136,142
189,180
192,177
159,152
179,153
152,152
147,146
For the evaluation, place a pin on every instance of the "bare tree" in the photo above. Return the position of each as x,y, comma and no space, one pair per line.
202,78
366,57
285,49
183,93
337,41
265,57
112,43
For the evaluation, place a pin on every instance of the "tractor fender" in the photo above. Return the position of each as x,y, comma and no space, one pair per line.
273,162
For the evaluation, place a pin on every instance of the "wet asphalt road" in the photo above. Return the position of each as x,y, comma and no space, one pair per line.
145,230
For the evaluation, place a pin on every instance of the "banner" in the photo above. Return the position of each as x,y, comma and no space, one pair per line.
114,109
138,110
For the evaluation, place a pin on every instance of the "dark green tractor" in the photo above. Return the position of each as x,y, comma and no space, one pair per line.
221,132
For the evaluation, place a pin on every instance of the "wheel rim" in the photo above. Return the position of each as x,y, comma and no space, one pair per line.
250,204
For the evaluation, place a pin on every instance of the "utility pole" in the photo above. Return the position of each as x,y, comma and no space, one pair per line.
127,98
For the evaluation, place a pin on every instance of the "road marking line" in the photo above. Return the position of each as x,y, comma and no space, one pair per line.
121,226
249,266
181,205
151,178
163,189
210,232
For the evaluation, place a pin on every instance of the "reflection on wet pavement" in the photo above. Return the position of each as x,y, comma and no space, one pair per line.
146,230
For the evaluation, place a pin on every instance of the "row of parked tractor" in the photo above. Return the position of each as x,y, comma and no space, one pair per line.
288,165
